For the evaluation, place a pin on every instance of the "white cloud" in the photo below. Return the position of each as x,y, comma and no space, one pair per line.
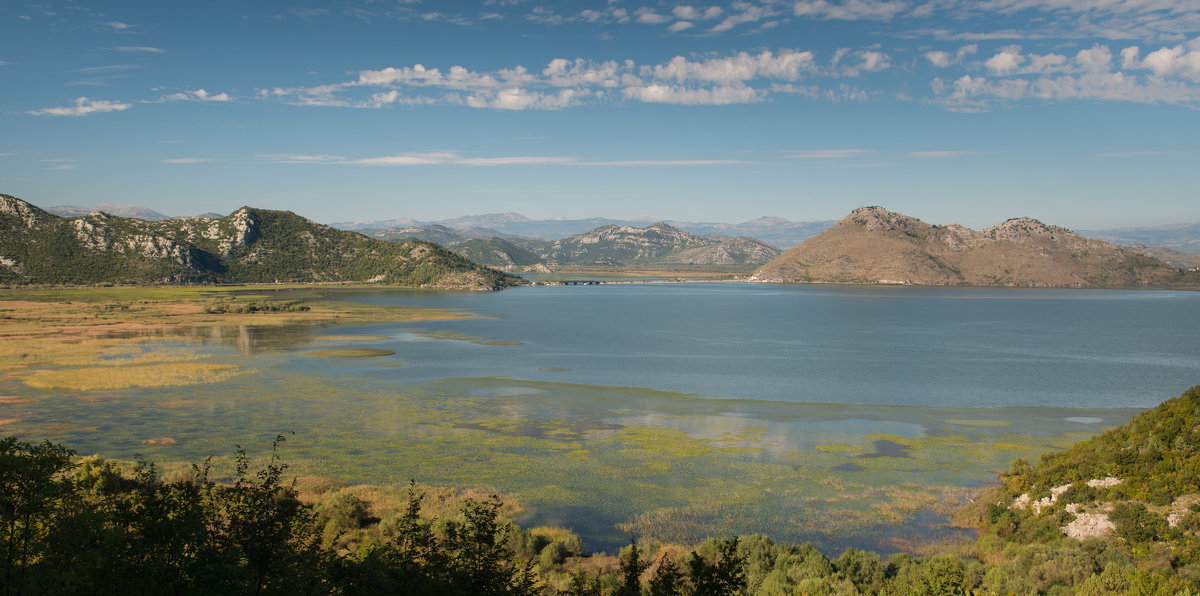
117,26
65,166
713,80
680,26
942,59
788,65
831,153
520,99
938,58
850,10
867,61
1006,61
675,94
1182,61
83,106
648,16
197,95
186,160
687,13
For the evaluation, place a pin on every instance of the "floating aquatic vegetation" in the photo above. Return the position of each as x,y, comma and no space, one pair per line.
94,378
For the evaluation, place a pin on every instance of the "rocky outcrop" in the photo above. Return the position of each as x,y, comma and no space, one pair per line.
874,245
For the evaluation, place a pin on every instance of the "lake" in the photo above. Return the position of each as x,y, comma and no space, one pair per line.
846,416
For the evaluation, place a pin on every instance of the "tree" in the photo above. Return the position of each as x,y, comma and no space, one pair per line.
33,483
631,569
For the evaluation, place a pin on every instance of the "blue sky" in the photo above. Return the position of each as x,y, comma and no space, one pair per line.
1084,113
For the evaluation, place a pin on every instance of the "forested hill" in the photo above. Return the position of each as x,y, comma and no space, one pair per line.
248,246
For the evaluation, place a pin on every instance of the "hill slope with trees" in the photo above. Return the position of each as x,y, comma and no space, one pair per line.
248,246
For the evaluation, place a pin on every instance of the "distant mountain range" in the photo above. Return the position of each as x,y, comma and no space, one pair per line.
248,246
609,245
874,245
775,231
1179,237
137,211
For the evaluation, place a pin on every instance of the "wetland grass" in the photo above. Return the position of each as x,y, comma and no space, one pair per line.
96,378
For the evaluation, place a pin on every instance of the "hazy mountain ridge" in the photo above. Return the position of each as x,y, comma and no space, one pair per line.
657,243
606,246
776,231
248,246
1179,237
136,211
874,245
1175,258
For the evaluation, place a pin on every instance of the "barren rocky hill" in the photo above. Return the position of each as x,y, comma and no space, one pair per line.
874,245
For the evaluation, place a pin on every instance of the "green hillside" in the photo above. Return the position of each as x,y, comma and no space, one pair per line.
248,246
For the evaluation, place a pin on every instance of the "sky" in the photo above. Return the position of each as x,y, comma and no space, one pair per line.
1082,113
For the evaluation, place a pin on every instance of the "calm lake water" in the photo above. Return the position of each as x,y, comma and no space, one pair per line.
903,346
844,416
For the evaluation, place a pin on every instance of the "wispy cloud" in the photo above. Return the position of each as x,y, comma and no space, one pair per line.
186,160
850,10
434,158
117,27
830,153
1135,153
144,49
83,106
103,75
939,154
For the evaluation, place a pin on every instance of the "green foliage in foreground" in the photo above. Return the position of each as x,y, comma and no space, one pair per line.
1154,461
72,526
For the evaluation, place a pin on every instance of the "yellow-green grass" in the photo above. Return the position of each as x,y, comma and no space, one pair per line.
95,378
93,327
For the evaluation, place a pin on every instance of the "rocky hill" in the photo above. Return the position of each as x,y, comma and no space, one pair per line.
248,246
657,244
874,245
1174,258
